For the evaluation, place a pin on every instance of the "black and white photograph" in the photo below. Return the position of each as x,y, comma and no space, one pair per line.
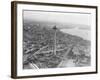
53,39
56,39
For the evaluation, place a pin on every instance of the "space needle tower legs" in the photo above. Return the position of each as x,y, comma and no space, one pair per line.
55,29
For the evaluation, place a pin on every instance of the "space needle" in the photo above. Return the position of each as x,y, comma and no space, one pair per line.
55,30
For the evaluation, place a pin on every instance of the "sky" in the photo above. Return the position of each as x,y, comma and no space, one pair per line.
57,17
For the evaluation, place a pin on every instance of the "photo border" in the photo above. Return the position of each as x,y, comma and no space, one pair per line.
14,38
